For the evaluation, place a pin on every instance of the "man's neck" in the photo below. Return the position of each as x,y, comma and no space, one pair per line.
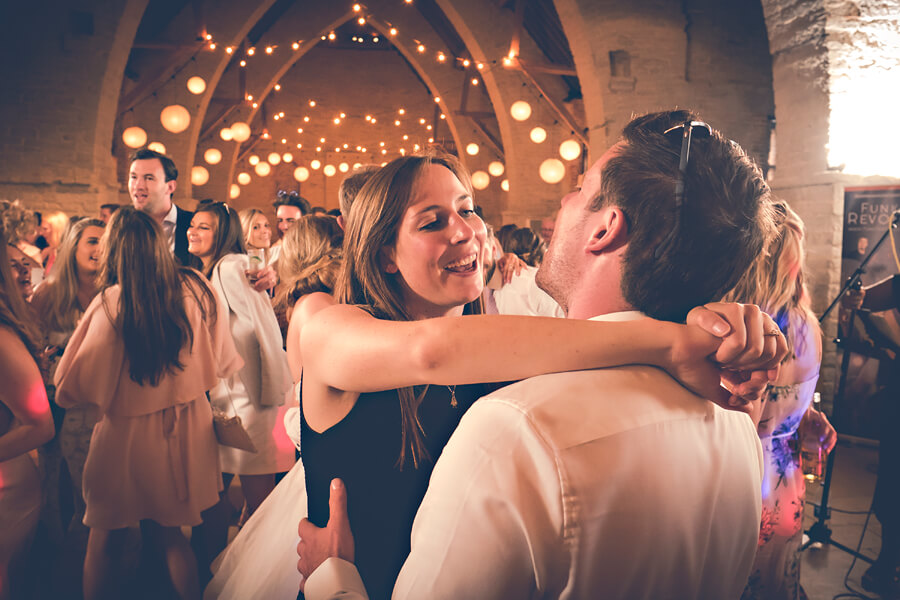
162,216
596,296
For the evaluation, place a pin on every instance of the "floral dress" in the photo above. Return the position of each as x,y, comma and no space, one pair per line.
776,569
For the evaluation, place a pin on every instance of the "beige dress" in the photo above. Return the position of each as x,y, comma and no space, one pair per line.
153,454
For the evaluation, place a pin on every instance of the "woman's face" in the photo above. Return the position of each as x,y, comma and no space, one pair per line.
87,252
21,270
201,235
260,234
438,252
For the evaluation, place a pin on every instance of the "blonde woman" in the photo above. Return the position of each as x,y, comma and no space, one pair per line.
776,282
258,234
53,228
59,304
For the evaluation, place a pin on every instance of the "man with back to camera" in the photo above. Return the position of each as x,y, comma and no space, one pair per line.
611,483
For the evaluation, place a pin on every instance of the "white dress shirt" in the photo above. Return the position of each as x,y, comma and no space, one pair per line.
521,296
613,483
170,221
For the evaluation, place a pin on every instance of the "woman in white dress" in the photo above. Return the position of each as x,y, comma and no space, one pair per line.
257,391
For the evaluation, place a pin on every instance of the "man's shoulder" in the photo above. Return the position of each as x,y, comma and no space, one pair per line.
183,215
569,408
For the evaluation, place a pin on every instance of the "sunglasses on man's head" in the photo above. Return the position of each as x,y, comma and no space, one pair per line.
685,131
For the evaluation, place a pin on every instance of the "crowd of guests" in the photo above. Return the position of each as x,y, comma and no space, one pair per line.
359,340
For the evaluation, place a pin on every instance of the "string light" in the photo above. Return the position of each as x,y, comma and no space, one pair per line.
356,8
361,20
243,63
295,46
393,31
251,51
312,103
269,49
420,48
277,87
229,50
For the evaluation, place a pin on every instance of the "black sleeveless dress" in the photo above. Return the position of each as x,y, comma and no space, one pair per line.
363,450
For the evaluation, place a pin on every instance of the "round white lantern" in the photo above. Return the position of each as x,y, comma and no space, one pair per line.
262,169
199,175
134,137
287,157
301,174
472,149
212,156
316,164
504,185
240,131
570,149
343,167
274,158
552,170
157,147
538,135
225,134
234,191
496,168
196,85
329,170
253,160
480,180
520,110
175,118
243,178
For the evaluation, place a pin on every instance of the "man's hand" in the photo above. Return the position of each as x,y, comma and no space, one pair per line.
335,540
262,279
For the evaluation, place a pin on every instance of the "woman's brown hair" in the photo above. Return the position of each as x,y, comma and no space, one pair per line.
151,316
371,226
229,235
310,258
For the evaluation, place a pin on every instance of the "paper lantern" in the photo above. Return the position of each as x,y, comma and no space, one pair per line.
329,170
212,156
157,147
196,85
496,168
538,135
253,160
240,132
301,174
199,175
287,157
520,110
274,158
175,118
472,149
225,134
134,137
315,164
570,149
480,180
262,169
357,165
552,170
504,185
234,191
343,167
243,178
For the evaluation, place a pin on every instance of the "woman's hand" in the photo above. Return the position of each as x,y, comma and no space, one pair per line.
510,265
728,353
815,426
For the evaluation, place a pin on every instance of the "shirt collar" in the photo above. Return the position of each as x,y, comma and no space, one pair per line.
171,217
625,315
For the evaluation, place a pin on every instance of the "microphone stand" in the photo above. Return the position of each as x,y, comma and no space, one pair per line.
819,532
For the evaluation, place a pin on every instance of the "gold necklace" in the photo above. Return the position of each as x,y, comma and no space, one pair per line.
453,401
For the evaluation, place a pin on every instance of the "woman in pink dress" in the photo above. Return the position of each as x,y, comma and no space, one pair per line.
150,344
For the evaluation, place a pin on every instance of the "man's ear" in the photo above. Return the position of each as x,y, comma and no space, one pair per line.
340,222
171,185
608,229
386,258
